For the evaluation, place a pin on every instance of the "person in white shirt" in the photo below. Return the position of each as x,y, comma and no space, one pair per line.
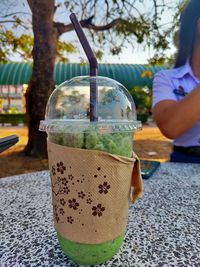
176,92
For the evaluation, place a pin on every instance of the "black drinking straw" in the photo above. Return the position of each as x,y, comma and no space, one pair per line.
93,66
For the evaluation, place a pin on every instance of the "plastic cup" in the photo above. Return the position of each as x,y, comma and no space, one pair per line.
67,124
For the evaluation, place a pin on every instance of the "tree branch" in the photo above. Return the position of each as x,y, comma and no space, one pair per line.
62,28
11,14
7,21
56,7
30,3
107,8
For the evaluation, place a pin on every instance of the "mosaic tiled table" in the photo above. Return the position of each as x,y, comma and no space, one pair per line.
163,228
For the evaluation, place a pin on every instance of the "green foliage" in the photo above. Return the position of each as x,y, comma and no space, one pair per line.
63,49
14,119
13,110
112,23
142,116
142,97
1,103
160,60
138,27
98,54
23,45
11,43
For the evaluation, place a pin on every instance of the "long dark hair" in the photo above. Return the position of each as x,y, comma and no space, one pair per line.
187,33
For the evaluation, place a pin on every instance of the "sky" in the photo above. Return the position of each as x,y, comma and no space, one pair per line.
137,56
128,55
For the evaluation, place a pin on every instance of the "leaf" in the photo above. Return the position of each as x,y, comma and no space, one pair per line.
99,54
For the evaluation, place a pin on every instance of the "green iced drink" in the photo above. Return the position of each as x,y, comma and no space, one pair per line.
68,125
114,143
86,254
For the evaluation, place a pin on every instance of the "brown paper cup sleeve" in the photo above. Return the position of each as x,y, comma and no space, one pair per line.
91,192
137,183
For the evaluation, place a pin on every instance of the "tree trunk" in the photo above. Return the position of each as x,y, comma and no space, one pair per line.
42,82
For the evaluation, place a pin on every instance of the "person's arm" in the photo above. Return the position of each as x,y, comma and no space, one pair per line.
174,118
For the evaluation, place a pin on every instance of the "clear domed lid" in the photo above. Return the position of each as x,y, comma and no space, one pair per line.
69,106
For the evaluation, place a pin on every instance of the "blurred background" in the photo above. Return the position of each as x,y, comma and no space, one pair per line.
39,49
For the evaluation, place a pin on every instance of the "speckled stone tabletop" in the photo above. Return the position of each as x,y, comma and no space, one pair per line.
163,228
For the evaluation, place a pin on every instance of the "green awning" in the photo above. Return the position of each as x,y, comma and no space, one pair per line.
15,73
129,75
